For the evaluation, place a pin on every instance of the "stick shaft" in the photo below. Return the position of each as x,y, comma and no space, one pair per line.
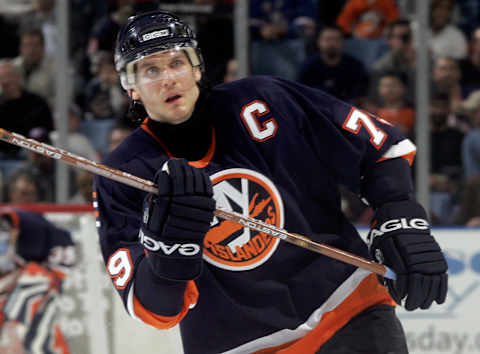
148,186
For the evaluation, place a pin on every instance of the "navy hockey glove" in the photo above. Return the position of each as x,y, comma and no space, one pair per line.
175,223
400,238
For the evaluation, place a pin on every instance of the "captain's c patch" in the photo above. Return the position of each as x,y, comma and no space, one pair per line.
230,246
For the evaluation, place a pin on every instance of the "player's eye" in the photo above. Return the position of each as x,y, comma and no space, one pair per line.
176,63
151,72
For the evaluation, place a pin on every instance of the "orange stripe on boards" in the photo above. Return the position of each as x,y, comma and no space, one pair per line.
60,342
165,322
368,293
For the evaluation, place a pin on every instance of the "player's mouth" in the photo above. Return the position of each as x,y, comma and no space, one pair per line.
173,98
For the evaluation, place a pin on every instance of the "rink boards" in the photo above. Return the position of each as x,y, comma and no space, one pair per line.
94,320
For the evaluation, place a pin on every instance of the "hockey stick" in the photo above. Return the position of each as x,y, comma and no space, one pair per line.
148,186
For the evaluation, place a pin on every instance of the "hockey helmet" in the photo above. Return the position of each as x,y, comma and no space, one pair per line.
149,33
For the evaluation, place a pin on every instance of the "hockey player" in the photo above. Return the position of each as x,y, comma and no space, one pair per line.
277,151
35,256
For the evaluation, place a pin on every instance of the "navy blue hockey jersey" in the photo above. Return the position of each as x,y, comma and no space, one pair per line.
279,150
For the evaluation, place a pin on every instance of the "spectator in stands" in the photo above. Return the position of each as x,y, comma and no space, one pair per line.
279,30
41,167
77,142
38,69
446,79
118,134
83,15
226,72
105,30
394,107
401,54
332,70
231,72
470,66
215,33
468,213
445,156
21,188
471,142
446,141
445,39
20,110
84,188
43,16
367,19
104,96
400,57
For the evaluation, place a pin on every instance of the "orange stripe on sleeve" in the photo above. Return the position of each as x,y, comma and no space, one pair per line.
409,157
368,293
165,322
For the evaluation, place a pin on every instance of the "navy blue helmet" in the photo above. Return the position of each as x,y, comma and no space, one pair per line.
150,33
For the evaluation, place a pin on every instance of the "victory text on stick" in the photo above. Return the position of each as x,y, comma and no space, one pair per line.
148,186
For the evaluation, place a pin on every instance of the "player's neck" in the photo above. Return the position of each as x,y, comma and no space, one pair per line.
190,139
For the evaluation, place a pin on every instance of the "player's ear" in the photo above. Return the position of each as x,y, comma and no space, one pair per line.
134,95
197,73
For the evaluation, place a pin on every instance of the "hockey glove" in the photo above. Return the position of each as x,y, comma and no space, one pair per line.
400,238
175,222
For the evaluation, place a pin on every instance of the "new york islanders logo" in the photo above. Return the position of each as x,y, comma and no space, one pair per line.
229,245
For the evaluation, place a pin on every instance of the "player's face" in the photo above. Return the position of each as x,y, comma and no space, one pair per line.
166,83
391,89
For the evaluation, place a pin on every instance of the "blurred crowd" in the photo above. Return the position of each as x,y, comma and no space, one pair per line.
361,51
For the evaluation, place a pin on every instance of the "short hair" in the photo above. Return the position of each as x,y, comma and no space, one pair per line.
331,28
17,175
15,68
397,23
447,58
32,31
394,73
101,58
435,3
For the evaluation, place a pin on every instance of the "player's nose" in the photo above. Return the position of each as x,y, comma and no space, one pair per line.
169,78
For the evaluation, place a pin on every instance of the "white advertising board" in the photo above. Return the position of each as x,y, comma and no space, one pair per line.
454,326
94,320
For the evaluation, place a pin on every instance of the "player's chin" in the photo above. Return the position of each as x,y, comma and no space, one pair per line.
179,116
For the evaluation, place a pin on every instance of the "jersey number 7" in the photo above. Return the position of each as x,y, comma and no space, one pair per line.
356,119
